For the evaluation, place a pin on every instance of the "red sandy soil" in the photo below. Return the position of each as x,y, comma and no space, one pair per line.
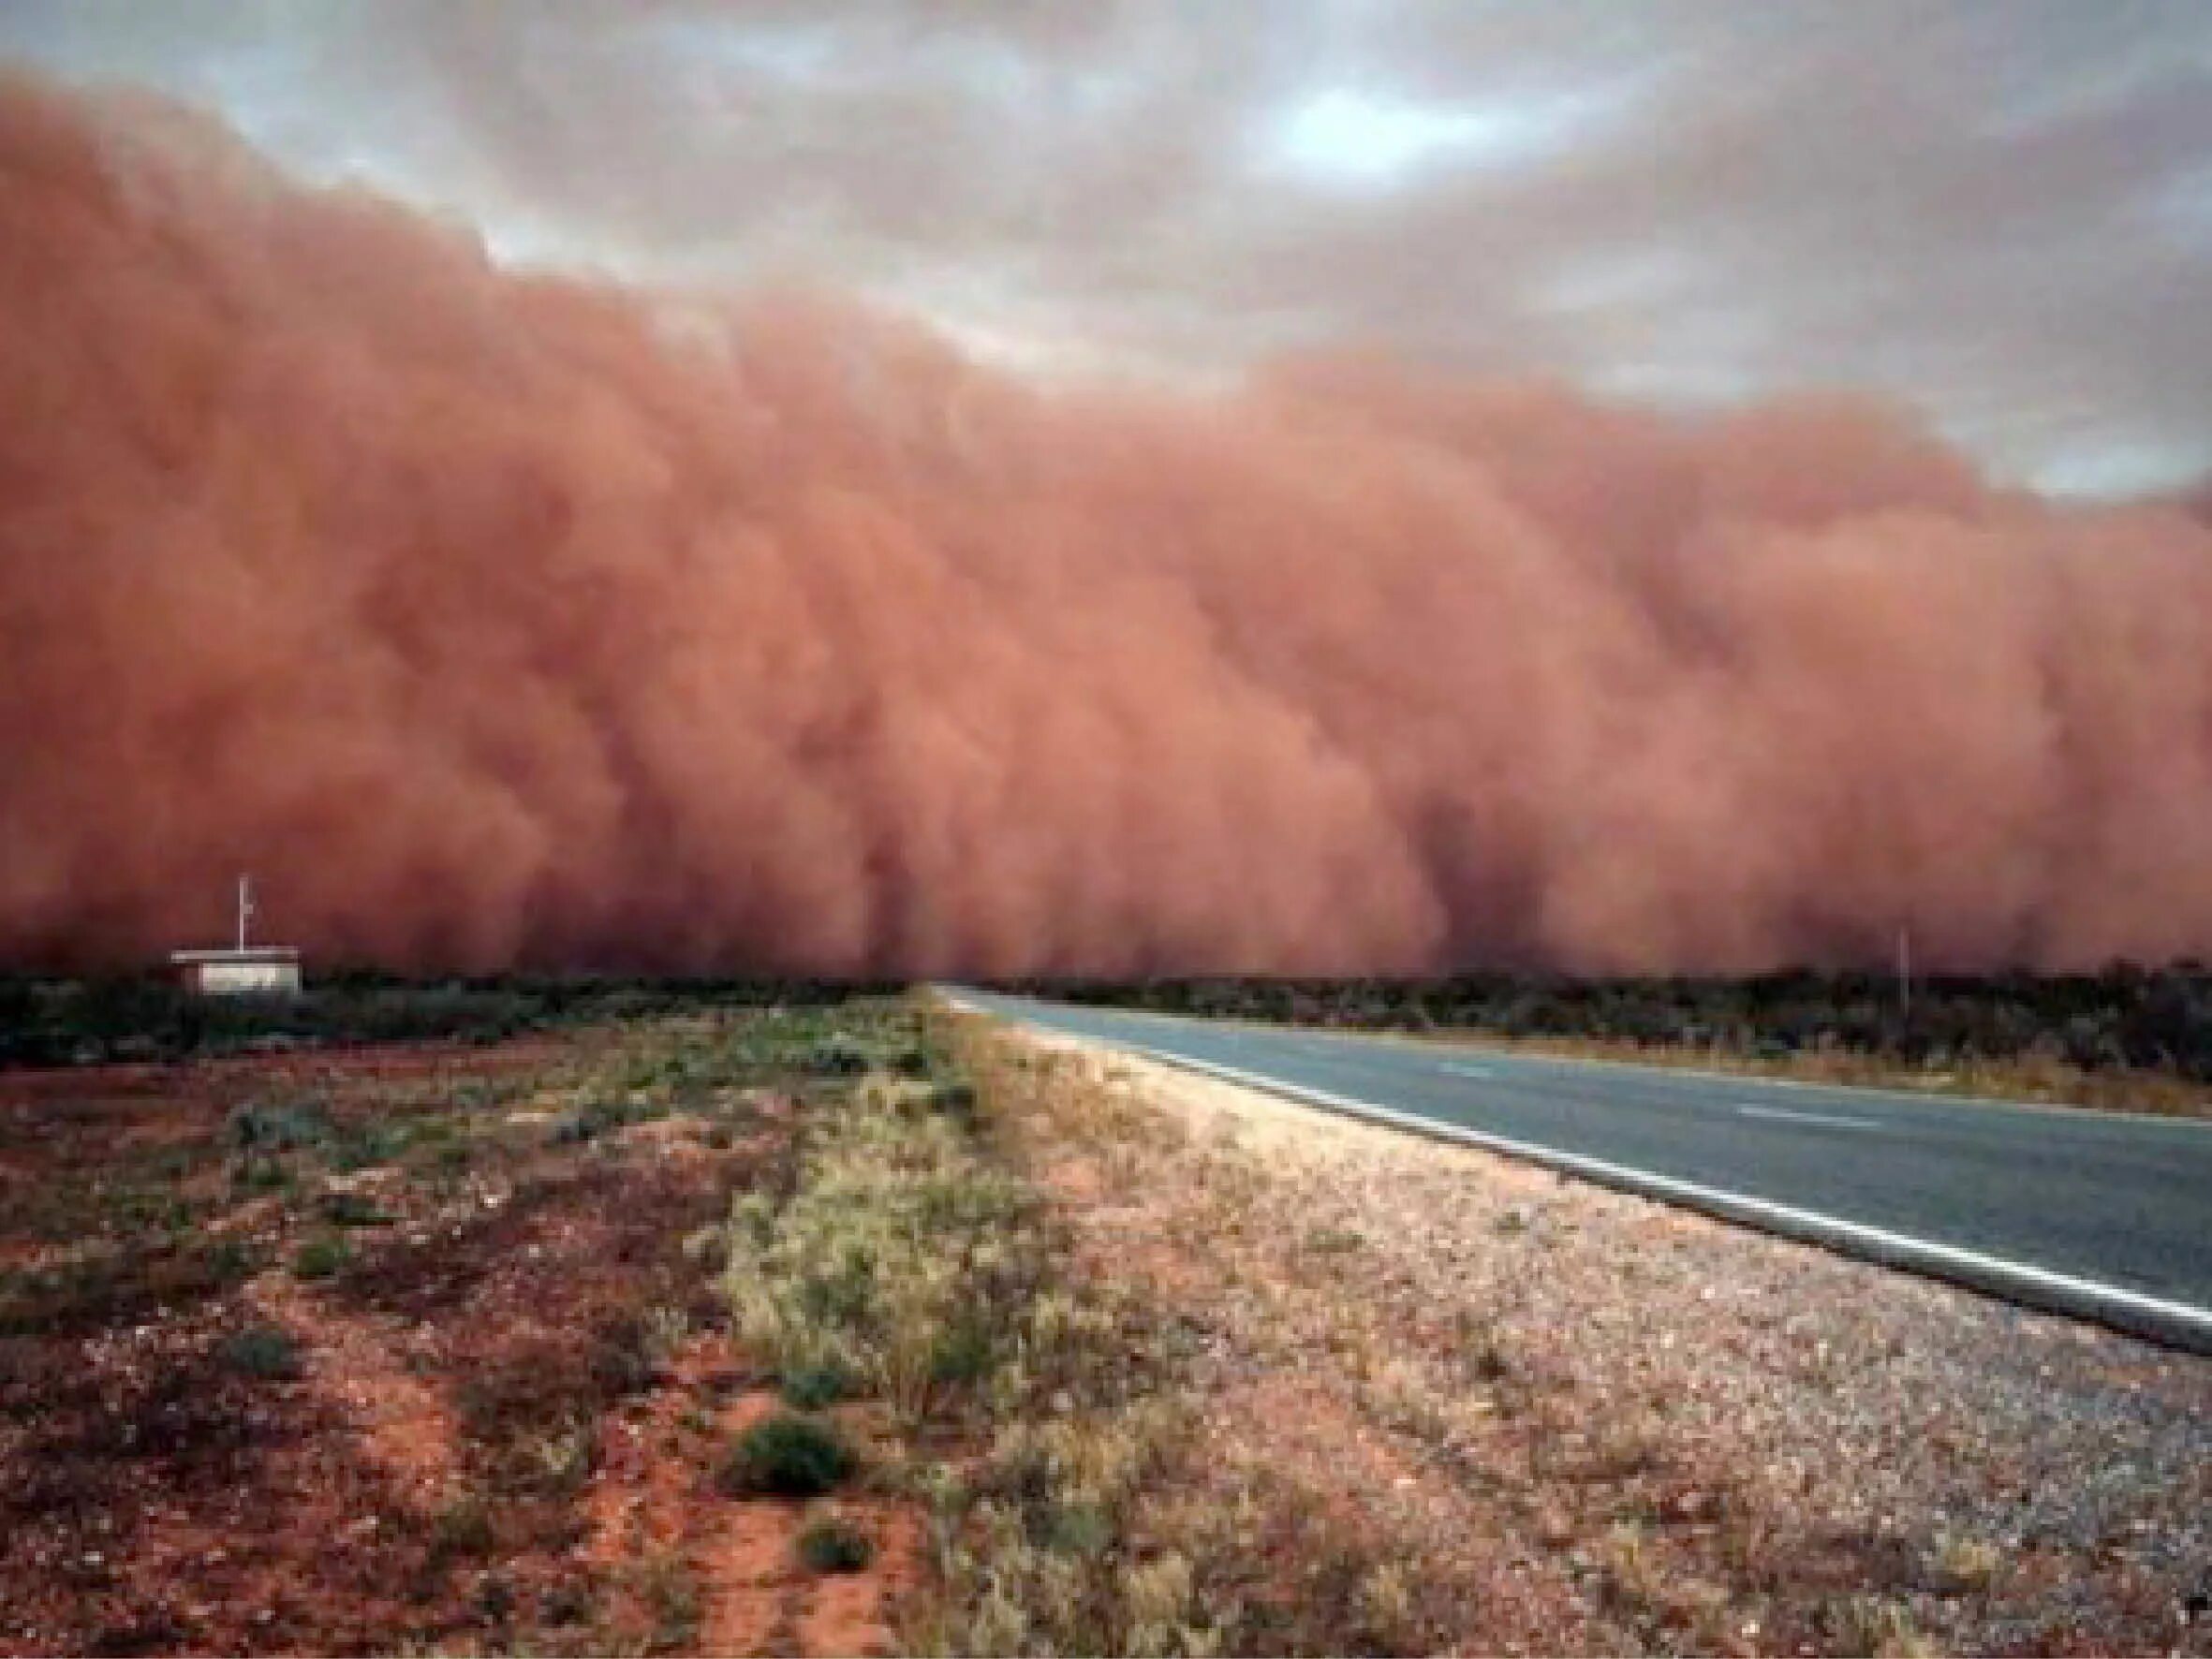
402,1480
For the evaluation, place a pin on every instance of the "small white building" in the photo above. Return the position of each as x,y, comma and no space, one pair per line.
257,970
241,969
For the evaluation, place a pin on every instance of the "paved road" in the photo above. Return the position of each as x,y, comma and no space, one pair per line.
2100,1215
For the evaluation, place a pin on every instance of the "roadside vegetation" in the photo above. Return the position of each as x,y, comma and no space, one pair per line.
701,1319
2128,1038
914,1269
679,1322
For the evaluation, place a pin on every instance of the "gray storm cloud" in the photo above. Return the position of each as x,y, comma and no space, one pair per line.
495,618
1998,210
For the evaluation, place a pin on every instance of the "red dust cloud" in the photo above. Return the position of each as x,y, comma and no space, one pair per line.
494,619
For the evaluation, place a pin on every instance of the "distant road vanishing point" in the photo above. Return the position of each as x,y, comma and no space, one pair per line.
2099,1215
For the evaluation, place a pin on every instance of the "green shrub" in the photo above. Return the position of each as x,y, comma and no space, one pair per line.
321,1258
256,1173
565,1604
353,1209
576,1129
962,1353
1078,1529
366,1147
809,1387
832,1546
955,1100
837,1056
264,1128
624,1354
787,1456
462,1527
224,1262
263,1351
494,1597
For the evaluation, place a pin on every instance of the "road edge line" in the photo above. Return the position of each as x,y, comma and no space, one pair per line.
1509,1050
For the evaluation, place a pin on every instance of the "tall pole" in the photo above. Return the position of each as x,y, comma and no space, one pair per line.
1905,972
245,907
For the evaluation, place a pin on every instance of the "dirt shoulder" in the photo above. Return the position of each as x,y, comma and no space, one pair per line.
1521,1414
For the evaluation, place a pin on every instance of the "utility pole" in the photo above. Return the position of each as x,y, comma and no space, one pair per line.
245,907
1905,972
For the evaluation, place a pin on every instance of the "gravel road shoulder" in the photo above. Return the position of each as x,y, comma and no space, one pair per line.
1590,1422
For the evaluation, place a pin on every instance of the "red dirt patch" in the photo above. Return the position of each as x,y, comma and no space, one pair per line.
407,1427
852,1612
659,1520
410,1470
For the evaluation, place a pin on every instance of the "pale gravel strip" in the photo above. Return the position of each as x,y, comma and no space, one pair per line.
1849,1402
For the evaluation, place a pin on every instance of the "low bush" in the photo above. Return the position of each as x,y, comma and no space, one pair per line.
958,1098
365,1146
591,1122
462,1528
263,1351
353,1209
832,1546
270,1128
809,1387
839,1056
254,1173
787,1456
963,1352
321,1258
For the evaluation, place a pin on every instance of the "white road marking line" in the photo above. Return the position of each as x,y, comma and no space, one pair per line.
1889,1248
1467,1071
1806,1117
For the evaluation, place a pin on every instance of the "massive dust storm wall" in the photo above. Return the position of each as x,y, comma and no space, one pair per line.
496,619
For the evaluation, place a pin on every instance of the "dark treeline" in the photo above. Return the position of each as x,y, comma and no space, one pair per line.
2126,1017
45,1021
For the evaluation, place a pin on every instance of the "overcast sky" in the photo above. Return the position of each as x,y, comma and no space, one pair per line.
1998,210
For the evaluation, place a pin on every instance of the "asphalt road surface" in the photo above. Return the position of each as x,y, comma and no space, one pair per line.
2096,1215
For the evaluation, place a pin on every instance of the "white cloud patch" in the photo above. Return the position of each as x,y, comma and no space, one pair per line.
1343,137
